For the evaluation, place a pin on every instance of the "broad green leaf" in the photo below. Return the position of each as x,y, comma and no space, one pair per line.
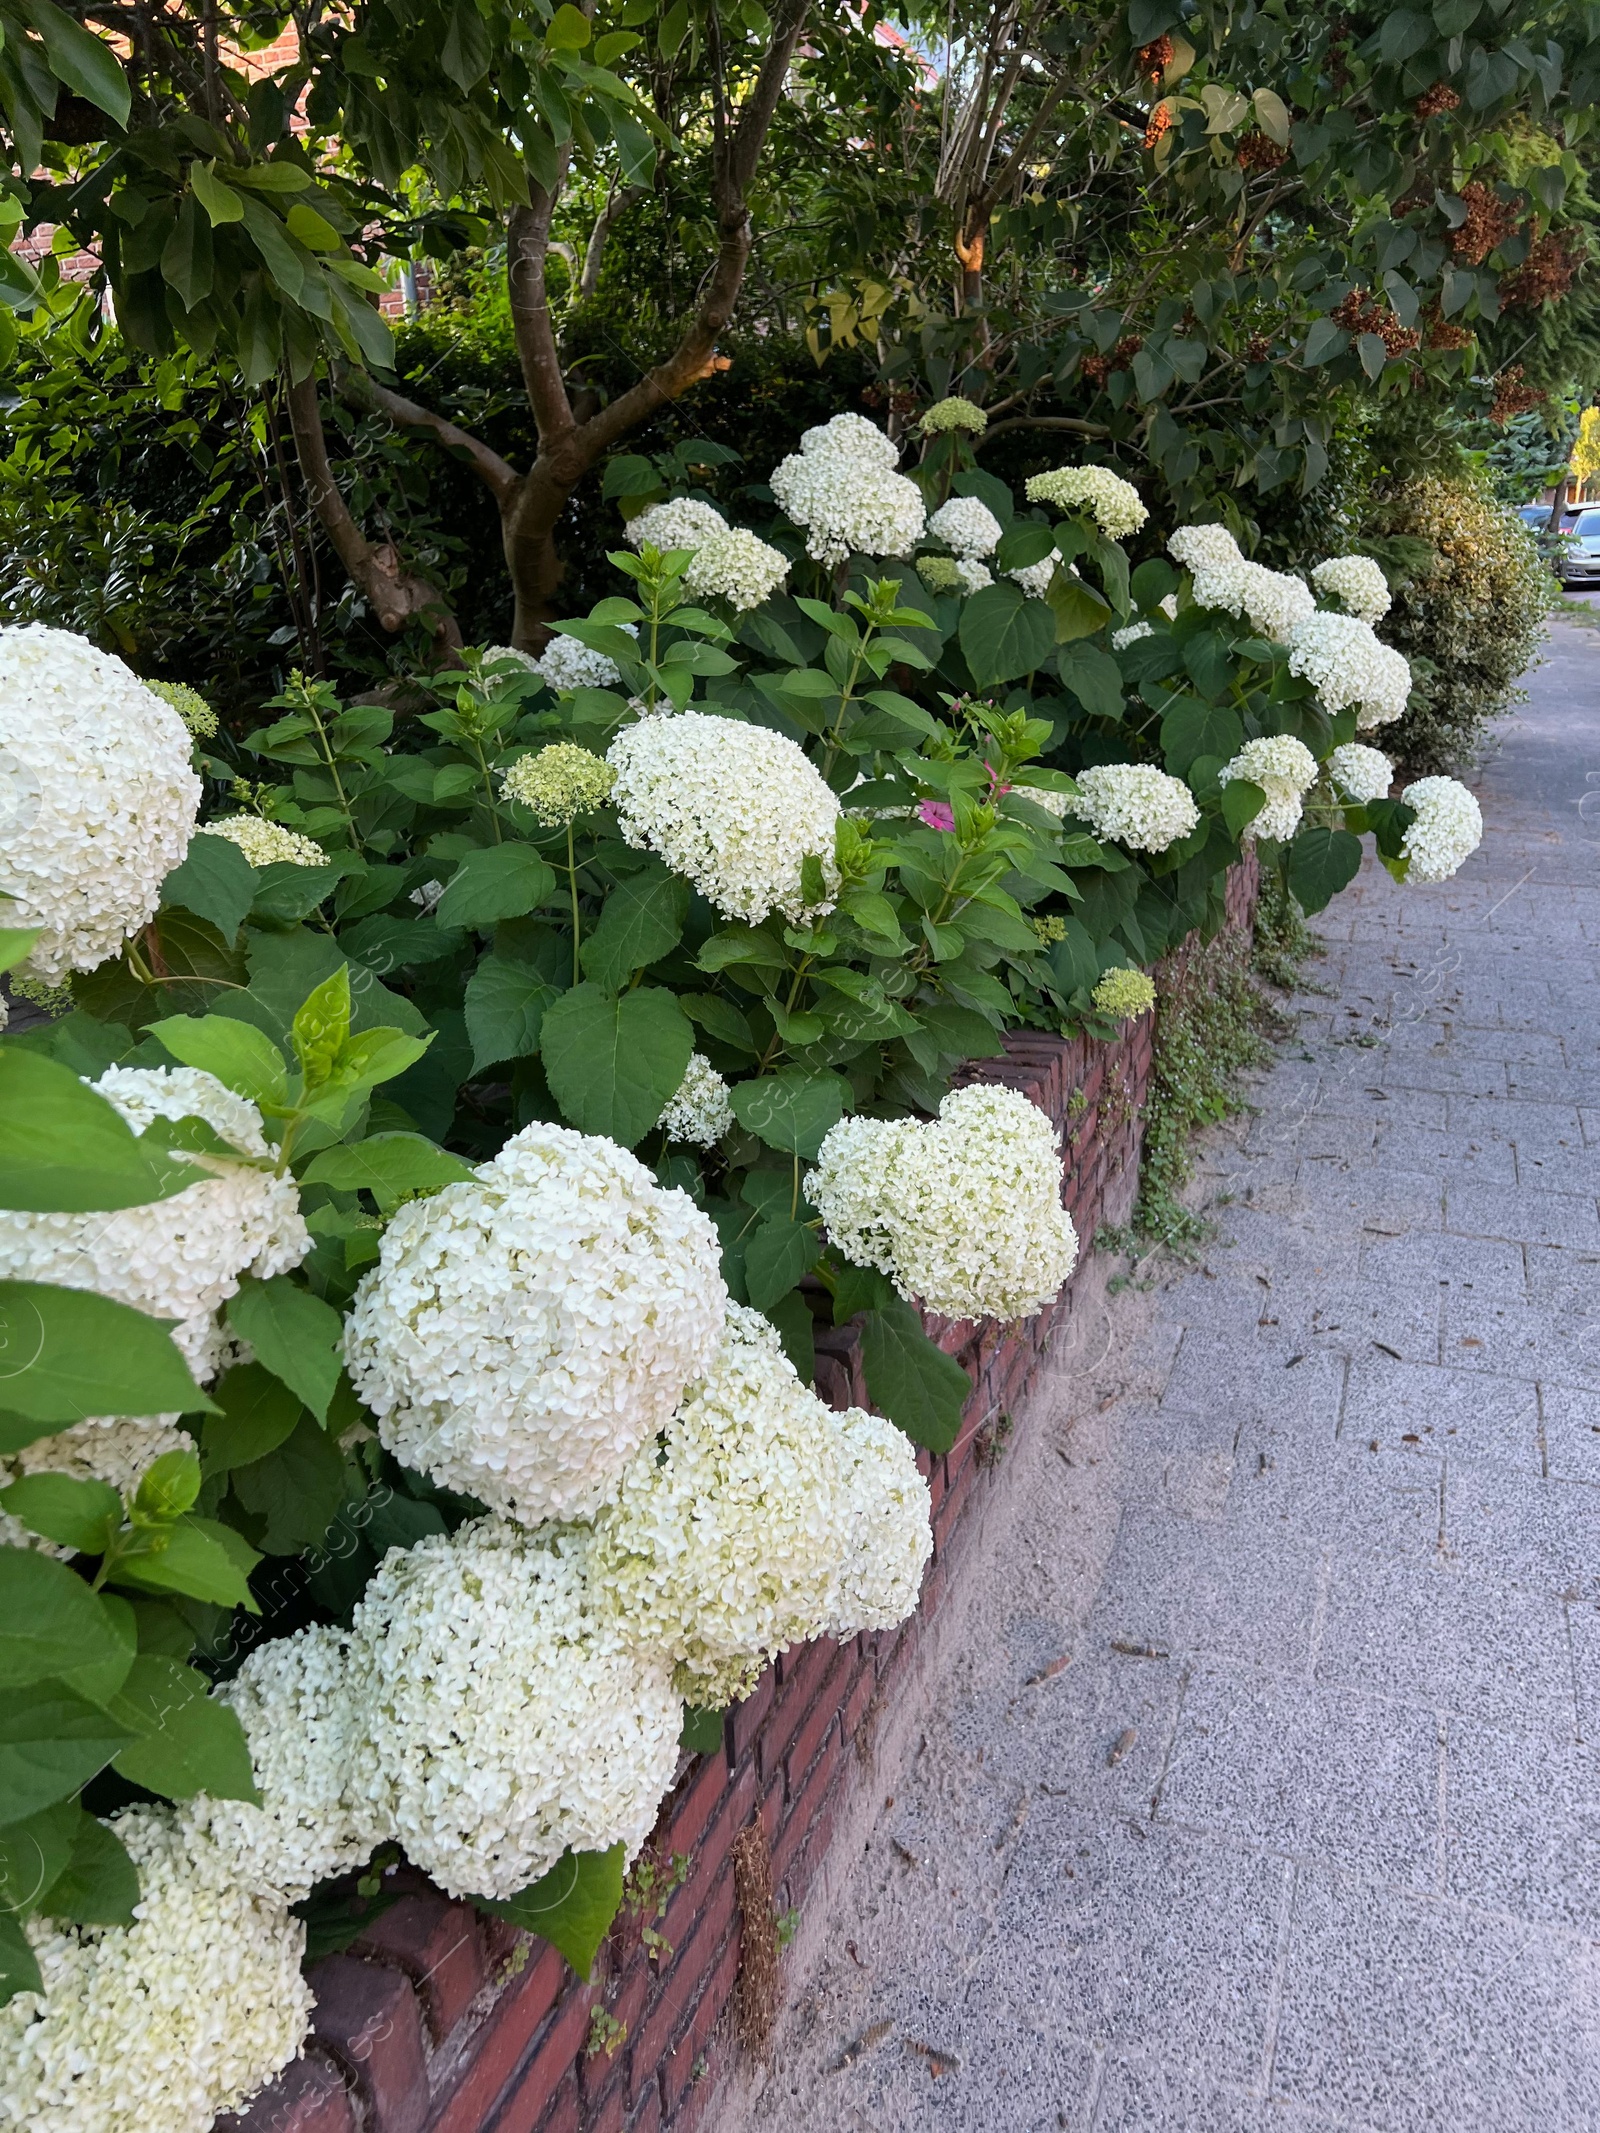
186,1742
51,1742
505,1009
389,1166
99,1885
15,942
777,1253
1272,116
1192,729
1078,609
1003,634
791,1314
911,1379
295,1335
1242,801
19,1966
1094,678
792,1109
66,1354
242,1057
222,204
256,1413
572,1906
51,1624
33,1856
320,1031
642,921
81,1515
80,59
500,881
1321,862
168,1486
216,882
1325,340
63,1147
702,1730
614,1064
201,1560
568,32
297,1489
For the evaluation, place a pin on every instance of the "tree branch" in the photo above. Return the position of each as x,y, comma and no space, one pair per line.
498,476
527,243
615,208
1042,422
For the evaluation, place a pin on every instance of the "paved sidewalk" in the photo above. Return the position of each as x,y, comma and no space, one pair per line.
1306,1835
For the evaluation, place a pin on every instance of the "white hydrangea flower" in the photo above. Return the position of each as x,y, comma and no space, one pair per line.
505,1717
1034,578
1272,601
1121,639
734,807
841,487
266,844
508,655
117,1449
1362,773
566,664
700,1113
427,896
973,576
681,522
888,1519
1053,803
1198,548
1346,664
293,1696
159,2026
1137,804
1356,581
1447,831
953,413
1286,770
728,1539
179,1258
967,526
521,1335
1114,504
962,1213
97,797
737,567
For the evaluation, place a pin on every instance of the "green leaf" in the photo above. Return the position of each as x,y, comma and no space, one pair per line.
187,1743
642,921
792,1109
702,1731
1094,678
33,1856
791,1315
505,1010
82,1515
776,1255
613,1064
51,1741
295,1335
391,1166
222,204
921,1389
19,1966
257,1413
568,32
1321,862
297,1489
99,1885
500,881
286,893
81,60
572,1906
1242,801
202,1560
242,1057
1003,634
66,1354
51,1624
168,1486
63,1147
1192,729
15,942
1324,341
216,882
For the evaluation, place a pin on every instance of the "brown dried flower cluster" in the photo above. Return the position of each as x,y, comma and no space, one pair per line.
1432,103
1160,123
1490,221
1155,57
1257,152
1362,313
1545,276
1511,396
1097,368
1258,349
1441,334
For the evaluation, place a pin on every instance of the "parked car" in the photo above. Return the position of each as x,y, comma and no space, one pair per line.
1579,560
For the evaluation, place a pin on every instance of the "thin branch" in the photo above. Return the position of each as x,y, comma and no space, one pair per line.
527,243
617,205
498,476
1042,422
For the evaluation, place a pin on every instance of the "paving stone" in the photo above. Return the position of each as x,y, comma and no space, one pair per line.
1583,1626
1433,1635
1266,1379
1522,1824
1471,1414
1307,1772
1523,1216
1523,1530
1386,1107
1571,1425
1415,2013
1341,1493
1504,1334
1456,1263
1347,1317
1147,2096
1543,1129
1570,1170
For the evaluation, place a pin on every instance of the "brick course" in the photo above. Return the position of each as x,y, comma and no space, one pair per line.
459,2027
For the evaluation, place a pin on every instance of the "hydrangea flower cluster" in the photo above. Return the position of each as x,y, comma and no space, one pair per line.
1447,831
1272,601
179,1258
681,522
265,843
97,798
1360,772
558,783
1124,995
520,1336
1286,770
940,573
962,1213
504,1717
841,487
967,526
737,567
953,413
1346,664
566,664
700,1113
734,807
740,1533
1113,503
1137,804
1121,639
190,706
1357,583
117,1449
159,2026
971,575
1203,548
1034,578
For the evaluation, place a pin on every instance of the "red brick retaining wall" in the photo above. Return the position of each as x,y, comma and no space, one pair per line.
440,2021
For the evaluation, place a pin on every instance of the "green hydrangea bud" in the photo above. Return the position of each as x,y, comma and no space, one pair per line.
1123,995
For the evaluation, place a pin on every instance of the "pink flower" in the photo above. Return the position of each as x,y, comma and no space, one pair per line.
937,814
